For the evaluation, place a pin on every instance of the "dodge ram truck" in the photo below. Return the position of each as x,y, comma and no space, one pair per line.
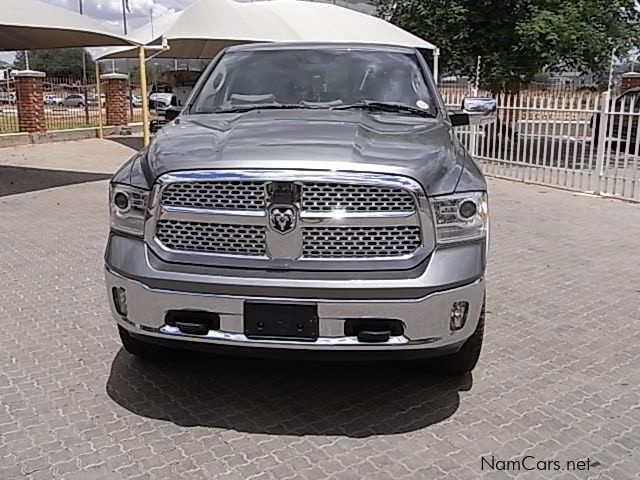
307,199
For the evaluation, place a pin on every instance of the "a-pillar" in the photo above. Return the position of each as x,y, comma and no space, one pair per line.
117,91
30,100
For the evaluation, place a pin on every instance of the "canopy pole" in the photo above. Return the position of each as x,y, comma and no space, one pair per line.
99,97
143,93
436,58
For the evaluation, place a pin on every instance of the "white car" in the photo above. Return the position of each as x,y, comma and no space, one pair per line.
54,100
7,97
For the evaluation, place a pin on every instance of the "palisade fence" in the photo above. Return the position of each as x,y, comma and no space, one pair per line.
8,110
72,103
554,138
69,103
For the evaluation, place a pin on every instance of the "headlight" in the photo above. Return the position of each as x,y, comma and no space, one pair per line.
128,206
460,217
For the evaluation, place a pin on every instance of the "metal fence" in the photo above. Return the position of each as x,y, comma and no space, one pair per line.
8,110
555,138
69,103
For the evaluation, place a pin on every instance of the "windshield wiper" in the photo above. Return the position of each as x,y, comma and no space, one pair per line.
269,106
385,107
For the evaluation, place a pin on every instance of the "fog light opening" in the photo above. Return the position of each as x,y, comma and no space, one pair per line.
458,316
120,300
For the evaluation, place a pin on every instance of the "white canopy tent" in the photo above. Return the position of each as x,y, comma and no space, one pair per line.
147,34
32,25
207,26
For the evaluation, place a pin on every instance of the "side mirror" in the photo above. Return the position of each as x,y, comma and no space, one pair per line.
475,111
172,113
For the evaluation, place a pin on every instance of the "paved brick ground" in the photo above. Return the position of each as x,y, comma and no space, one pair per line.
559,378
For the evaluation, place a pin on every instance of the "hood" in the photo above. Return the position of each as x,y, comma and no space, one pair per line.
354,140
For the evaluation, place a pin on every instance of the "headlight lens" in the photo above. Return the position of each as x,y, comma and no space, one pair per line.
128,206
460,217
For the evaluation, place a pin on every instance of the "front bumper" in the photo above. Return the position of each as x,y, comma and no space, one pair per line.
422,307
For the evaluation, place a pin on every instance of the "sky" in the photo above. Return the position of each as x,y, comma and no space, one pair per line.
109,12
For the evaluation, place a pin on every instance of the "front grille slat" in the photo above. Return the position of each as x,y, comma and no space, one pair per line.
235,195
332,242
327,197
212,238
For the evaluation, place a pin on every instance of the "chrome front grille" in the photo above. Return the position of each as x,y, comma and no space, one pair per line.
229,218
344,242
212,238
240,195
327,197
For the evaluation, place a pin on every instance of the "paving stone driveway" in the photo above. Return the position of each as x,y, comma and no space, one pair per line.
558,380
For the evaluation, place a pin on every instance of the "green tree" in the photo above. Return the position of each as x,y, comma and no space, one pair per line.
518,39
62,62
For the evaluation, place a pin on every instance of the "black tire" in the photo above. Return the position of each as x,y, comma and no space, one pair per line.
465,359
140,348
81,105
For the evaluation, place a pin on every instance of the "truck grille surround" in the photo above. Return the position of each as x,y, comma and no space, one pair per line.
290,219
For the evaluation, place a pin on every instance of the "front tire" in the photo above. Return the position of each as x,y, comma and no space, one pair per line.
140,348
465,359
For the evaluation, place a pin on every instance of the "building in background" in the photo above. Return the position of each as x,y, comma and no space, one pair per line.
5,70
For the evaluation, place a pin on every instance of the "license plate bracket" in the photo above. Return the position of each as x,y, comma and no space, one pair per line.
281,321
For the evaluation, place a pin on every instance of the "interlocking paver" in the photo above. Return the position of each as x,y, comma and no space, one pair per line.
558,378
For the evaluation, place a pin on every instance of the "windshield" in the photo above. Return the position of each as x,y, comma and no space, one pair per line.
313,79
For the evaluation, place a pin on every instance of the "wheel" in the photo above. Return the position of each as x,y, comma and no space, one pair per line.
140,348
80,105
465,359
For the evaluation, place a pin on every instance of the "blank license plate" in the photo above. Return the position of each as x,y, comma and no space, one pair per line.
281,321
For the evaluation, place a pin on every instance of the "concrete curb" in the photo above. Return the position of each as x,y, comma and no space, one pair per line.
17,139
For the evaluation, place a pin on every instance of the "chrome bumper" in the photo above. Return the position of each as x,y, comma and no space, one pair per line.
426,320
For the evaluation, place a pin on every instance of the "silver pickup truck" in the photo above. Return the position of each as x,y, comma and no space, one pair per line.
308,199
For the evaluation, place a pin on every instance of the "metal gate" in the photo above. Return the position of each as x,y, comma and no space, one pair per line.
582,141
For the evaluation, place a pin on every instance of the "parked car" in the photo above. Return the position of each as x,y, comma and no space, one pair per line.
308,199
53,100
74,100
622,122
135,101
158,105
92,99
79,100
9,97
161,101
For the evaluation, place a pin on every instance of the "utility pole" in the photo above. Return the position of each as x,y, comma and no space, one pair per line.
84,77
84,59
125,7
151,20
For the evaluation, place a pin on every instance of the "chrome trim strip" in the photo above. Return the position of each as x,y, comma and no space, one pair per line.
353,219
301,176
421,217
241,338
231,217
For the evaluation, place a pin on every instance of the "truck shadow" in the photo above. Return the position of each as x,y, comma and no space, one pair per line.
133,142
14,180
284,398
